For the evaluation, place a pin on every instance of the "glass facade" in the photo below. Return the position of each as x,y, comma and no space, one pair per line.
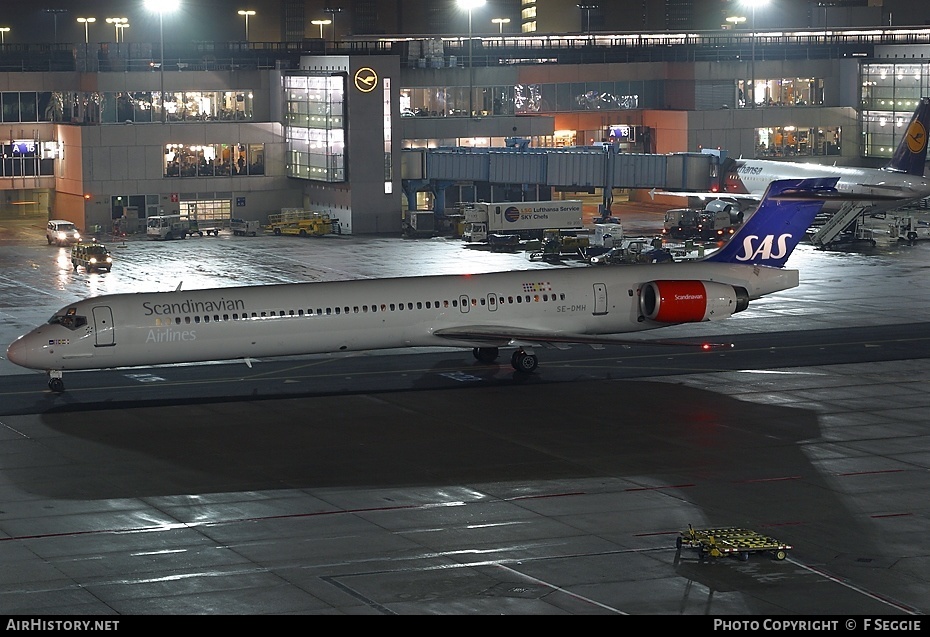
214,160
315,127
890,92
78,107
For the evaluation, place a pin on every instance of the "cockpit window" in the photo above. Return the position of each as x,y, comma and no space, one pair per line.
69,319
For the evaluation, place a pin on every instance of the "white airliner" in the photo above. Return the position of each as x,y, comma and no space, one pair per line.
481,311
898,183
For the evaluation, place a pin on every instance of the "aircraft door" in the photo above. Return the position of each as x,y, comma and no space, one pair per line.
103,326
464,304
600,299
492,302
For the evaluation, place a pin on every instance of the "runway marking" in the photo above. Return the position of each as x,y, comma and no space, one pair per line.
553,587
876,597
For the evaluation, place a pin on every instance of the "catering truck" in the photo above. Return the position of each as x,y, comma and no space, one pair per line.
525,219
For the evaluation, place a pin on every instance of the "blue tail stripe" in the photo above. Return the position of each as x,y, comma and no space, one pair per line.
911,154
774,230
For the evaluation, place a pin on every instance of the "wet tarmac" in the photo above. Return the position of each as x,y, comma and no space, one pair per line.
419,482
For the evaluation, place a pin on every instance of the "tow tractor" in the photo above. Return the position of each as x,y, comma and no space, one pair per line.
731,542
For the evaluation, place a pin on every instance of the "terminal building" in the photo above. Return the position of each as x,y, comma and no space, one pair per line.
367,128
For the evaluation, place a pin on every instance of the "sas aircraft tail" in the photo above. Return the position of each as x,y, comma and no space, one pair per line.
774,230
911,153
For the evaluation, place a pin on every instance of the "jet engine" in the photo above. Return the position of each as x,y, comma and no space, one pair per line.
690,301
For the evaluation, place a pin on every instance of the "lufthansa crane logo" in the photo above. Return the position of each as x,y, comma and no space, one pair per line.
366,79
916,137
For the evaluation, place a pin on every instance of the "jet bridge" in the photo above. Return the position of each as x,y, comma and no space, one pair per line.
583,167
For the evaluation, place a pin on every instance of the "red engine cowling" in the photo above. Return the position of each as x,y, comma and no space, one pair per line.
690,301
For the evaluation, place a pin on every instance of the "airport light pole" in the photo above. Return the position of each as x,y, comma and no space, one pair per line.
752,4
86,21
588,8
321,24
246,13
117,22
333,11
55,13
500,22
470,5
161,7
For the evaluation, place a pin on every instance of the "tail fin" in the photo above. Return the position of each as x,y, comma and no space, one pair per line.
774,230
911,153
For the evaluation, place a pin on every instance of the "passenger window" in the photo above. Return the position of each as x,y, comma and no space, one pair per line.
338,310
206,319
419,305
196,319
187,320
177,320
300,312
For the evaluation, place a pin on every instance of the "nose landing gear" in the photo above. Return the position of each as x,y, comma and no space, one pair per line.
55,381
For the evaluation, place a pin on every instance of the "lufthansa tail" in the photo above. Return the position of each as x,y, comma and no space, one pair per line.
911,154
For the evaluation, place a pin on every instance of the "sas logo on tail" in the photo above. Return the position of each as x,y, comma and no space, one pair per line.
765,247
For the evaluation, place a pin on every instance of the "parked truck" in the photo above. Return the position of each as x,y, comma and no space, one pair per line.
243,228
717,220
167,227
525,219
909,229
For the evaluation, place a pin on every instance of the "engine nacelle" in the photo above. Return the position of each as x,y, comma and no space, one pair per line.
690,301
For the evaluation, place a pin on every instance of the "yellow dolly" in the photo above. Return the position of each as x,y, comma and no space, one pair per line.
731,541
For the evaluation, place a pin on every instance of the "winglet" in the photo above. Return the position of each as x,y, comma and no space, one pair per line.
178,289
774,230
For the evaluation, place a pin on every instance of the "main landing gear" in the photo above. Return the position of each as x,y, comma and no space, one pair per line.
523,360
55,381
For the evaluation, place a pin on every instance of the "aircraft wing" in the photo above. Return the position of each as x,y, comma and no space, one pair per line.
500,336
745,196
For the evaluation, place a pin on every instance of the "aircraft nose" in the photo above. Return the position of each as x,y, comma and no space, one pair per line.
19,352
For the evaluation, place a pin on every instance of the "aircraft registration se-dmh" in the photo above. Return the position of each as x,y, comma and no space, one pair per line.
483,312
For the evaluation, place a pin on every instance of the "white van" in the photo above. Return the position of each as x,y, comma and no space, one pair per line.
61,232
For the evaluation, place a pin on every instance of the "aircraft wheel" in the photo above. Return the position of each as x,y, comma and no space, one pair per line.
523,362
57,385
486,354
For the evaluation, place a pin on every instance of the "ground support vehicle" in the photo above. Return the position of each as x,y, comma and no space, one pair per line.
61,232
167,227
909,229
632,250
243,228
419,223
302,223
526,219
92,256
201,228
555,245
730,541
